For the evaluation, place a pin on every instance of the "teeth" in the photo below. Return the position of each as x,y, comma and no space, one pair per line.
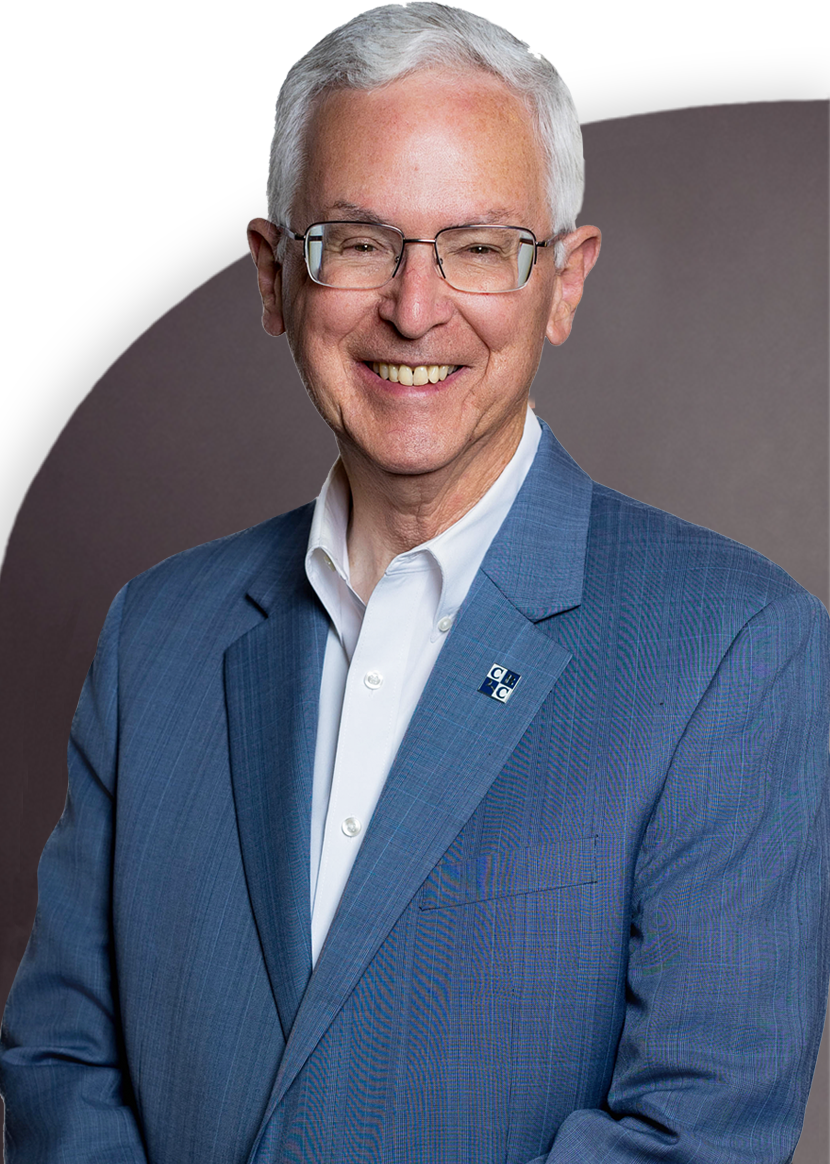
420,374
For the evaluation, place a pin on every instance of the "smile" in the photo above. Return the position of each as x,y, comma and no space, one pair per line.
420,374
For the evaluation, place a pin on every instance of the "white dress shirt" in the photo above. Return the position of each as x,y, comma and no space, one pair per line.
378,658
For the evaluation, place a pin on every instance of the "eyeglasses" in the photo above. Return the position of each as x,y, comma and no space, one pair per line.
361,256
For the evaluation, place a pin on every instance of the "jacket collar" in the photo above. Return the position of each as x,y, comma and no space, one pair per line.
537,559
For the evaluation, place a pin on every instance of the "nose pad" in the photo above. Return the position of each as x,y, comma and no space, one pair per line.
405,256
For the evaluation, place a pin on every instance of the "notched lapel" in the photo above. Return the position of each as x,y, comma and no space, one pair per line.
272,688
457,743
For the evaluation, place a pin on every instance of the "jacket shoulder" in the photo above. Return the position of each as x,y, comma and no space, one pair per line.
663,555
218,573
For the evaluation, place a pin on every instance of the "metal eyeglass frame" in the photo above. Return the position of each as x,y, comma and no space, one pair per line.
432,241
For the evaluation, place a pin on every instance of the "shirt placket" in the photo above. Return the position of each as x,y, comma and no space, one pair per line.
369,729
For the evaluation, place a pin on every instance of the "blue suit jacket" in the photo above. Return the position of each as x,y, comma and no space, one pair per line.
585,925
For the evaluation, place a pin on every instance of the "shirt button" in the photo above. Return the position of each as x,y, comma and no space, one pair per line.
444,624
351,826
328,561
373,680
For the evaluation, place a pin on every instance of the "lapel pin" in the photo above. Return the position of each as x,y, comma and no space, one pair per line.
500,683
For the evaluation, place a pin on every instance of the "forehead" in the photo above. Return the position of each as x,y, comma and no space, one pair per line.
445,146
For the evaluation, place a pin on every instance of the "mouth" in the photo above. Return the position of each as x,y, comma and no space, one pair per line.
417,374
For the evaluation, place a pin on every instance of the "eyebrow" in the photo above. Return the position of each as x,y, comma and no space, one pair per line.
499,215
358,213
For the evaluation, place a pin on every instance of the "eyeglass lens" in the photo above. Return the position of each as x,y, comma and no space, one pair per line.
473,258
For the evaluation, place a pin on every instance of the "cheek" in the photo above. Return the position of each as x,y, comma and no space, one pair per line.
486,318
320,320
512,330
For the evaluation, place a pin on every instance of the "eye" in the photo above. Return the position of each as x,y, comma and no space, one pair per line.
480,250
360,247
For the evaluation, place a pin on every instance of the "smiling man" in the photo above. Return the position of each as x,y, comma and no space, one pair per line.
420,451
474,812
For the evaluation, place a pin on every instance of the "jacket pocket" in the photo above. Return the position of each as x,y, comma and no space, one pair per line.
511,871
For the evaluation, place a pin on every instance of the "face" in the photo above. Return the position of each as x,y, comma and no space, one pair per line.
425,152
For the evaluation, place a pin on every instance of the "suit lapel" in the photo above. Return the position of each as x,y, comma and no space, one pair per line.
272,684
459,738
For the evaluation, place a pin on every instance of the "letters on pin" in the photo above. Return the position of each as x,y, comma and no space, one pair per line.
500,683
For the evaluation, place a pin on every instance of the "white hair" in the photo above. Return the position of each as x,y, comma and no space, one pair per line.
386,43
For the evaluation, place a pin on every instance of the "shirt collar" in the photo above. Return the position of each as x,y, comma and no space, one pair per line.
460,549
457,552
327,557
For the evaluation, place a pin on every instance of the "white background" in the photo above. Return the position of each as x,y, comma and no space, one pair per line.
136,139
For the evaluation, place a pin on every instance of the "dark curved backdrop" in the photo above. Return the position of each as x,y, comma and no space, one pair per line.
696,379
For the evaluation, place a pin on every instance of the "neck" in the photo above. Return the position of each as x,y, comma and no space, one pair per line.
393,512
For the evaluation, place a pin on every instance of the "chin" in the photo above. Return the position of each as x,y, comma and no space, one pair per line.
411,453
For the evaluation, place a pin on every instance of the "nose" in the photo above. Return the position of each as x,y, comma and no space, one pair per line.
419,297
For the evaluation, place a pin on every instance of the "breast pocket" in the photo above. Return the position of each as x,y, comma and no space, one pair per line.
508,872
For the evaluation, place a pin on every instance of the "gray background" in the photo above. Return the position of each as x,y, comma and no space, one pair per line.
696,379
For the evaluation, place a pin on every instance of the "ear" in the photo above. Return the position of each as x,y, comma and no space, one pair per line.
581,252
263,237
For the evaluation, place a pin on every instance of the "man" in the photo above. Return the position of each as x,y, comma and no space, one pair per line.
476,812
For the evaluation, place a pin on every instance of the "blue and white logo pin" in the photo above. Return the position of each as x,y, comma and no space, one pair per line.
500,683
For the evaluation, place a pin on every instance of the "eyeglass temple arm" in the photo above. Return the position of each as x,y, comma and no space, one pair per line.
554,238
289,231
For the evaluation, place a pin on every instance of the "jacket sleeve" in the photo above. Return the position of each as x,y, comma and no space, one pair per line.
728,955
62,1064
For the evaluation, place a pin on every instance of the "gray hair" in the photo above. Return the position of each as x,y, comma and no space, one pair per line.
386,43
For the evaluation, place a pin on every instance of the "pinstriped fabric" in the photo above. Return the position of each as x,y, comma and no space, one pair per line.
584,925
